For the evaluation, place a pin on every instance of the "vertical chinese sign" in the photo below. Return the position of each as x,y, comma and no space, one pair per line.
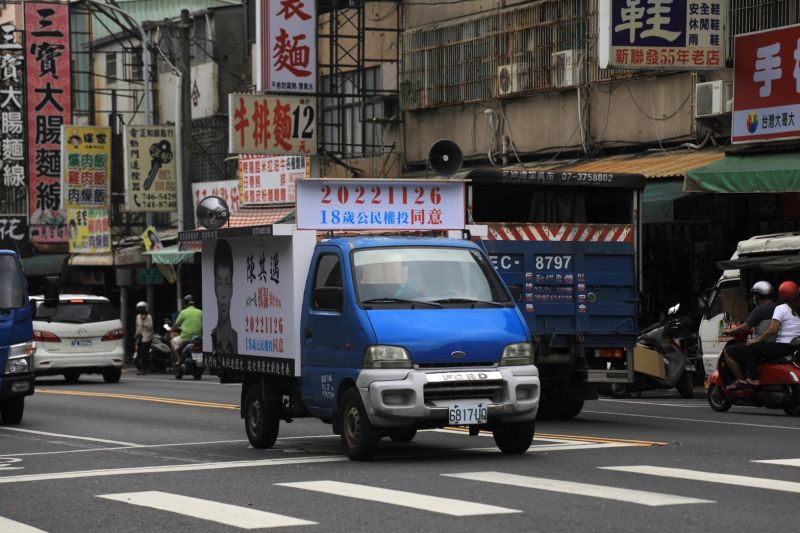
49,107
150,173
666,34
766,86
86,187
269,124
13,194
286,37
271,180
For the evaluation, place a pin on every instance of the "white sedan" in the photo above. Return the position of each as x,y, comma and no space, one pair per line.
82,335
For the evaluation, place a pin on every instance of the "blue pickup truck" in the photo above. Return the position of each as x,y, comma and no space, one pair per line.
16,339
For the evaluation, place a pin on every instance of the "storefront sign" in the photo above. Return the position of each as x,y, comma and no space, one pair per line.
663,34
272,125
49,107
150,172
87,166
286,35
149,276
766,90
89,231
271,180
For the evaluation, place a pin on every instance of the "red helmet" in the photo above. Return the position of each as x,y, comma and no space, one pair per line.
788,290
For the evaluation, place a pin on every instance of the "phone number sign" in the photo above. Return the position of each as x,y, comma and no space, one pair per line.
272,125
380,205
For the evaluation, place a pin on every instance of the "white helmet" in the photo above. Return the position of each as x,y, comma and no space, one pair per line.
140,306
764,288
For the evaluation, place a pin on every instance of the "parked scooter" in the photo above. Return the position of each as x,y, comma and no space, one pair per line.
191,360
160,352
670,366
779,387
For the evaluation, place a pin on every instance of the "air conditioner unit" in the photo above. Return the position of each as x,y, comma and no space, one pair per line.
712,99
508,81
567,68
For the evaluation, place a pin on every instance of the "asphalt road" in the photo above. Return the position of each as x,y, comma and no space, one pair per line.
155,454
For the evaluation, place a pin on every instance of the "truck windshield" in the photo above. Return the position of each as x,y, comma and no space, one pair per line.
12,288
426,274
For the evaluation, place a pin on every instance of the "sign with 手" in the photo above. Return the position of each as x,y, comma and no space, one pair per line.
272,124
150,169
269,180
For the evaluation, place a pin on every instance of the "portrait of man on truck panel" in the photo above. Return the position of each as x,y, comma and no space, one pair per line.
224,338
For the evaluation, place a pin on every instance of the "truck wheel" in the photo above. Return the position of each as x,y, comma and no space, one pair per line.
261,420
112,375
619,390
569,409
11,409
359,437
514,438
716,399
685,386
402,434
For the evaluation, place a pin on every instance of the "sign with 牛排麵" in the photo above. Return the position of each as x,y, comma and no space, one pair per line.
89,231
269,180
272,124
286,44
150,169
380,205
86,166
49,106
662,34
766,86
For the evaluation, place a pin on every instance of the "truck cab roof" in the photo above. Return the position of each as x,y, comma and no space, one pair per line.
375,241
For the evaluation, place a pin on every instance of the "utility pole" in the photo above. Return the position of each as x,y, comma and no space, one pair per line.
184,66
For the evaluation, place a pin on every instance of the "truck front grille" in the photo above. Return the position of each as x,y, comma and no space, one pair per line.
464,390
456,365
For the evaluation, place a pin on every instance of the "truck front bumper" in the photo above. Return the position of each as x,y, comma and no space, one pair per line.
17,385
397,398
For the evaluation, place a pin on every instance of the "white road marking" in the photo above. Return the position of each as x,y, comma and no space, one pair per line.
222,513
710,477
699,420
413,500
699,403
17,527
116,448
652,499
63,436
783,462
170,468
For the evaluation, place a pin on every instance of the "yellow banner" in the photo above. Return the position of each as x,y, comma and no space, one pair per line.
87,166
89,231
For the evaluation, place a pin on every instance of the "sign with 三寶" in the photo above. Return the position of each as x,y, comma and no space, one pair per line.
89,231
662,34
286,38
269,180
766,85
272,124
380,205
86,166
150,170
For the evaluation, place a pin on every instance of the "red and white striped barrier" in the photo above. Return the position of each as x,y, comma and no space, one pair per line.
561,232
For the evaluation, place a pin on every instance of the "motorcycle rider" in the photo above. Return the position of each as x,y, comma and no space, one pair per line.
144,337
189,322
785,323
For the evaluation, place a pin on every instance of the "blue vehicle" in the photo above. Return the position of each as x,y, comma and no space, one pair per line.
376,335
16,339
570,243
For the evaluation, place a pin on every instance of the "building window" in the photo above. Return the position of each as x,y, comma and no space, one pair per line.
351,111
137,65
111,66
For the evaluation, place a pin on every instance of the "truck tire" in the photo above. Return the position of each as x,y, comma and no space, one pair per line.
261,418
359,436
554,408
514,438
11,409
569,408
112,375
402,434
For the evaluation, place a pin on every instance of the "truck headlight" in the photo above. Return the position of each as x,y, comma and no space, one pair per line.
19,358
520,353
382,356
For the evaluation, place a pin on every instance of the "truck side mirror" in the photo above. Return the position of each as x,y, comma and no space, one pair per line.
516,292
52,288
328,298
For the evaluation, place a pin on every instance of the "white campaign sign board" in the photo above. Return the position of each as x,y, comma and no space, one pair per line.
268,281
360,204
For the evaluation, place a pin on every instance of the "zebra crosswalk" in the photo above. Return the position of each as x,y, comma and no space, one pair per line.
425,500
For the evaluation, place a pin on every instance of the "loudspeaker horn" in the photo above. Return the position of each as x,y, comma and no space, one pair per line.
213,212
445,157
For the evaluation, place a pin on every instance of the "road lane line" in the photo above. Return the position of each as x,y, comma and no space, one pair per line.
782,462
641,497
169,468
17,527
570,439
155,399
413,500
222,513
699,420
63,436
710,477
116,448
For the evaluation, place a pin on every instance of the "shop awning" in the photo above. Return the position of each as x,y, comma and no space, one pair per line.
43,264
754,173
170,255
658,201
129,256
652,165
767,263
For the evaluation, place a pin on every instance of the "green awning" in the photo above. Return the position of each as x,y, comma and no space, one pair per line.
657,201
757,173
43,264
170,255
